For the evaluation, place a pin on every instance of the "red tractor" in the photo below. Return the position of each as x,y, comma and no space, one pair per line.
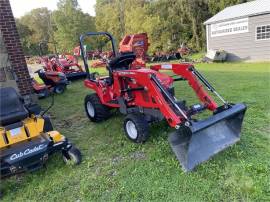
145,96
65,63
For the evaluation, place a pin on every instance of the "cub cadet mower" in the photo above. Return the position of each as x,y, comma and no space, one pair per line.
53,81
27,139
147,95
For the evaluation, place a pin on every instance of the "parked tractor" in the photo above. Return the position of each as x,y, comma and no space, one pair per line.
146,96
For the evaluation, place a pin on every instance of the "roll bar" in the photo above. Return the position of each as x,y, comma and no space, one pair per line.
82,37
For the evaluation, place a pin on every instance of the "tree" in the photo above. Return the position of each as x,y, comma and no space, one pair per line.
70,23
108,17
216,6
168,23
25,36
33,28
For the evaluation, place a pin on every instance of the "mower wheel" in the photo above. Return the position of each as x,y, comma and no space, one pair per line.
136,128
59,89
95,110
72,156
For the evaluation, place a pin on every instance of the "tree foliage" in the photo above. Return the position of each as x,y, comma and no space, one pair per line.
70,22
62,27
33,28
167,22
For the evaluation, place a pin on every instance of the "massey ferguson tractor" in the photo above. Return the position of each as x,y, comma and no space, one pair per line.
147,95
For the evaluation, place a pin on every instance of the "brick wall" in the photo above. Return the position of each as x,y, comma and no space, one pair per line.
13,45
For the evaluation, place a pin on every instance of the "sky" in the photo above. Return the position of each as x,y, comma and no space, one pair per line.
20,7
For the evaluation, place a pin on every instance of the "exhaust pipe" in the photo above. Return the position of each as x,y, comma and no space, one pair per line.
203,139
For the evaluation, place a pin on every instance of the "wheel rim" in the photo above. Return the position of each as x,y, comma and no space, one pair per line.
59,90
72,159
90,109
131,130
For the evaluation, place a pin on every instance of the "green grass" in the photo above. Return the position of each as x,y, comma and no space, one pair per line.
197,56
115,169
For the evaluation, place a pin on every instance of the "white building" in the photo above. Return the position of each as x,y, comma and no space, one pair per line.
242,30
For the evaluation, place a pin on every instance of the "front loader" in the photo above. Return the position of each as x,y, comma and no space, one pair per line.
147,95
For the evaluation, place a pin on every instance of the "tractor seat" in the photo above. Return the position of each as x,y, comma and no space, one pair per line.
12,109
122,61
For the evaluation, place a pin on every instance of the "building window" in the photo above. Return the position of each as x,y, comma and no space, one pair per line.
263,32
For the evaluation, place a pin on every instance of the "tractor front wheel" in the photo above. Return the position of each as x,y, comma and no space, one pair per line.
136,128
95,110
60,88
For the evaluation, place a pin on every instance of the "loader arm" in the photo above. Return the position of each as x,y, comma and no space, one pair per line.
186,72
158,101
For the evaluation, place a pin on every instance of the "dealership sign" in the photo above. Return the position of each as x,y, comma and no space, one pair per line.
229,27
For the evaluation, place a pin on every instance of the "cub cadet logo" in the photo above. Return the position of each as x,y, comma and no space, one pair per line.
27,152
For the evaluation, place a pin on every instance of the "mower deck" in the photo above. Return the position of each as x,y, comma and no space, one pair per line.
75,75
29,155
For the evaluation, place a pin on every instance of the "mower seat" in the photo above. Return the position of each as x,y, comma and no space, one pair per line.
12,109
42,75
122,61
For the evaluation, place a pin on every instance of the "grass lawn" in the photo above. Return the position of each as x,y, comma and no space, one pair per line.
115,169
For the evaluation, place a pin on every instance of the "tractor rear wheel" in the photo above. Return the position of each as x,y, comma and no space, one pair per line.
136,128
95,110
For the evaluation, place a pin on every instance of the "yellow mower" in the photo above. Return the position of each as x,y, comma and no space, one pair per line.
27,138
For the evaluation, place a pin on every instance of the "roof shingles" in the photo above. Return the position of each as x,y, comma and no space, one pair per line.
241,10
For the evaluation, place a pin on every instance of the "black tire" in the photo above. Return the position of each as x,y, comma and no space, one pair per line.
60,88
141,127
72,156
95,110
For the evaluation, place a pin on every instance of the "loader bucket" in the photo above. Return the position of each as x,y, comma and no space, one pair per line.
199,142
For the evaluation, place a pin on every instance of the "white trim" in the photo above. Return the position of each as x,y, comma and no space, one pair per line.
207,38
256,32
235,18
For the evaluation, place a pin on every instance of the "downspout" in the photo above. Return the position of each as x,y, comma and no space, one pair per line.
207,42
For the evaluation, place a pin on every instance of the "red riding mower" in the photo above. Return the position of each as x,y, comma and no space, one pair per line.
27,137
66,64
53,81
147,95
